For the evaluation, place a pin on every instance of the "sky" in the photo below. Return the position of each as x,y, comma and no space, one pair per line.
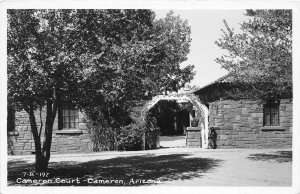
206,28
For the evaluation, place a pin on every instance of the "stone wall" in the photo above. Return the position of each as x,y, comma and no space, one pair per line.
21,140
240,125
193,137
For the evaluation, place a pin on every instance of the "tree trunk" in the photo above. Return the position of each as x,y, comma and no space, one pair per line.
51,113
39,159
42,155
41,163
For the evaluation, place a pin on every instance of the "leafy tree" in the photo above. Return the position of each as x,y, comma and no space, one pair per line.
105,61
172,44
42,67
143,61
260,57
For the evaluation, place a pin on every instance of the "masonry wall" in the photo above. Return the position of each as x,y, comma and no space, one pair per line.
240,125
193,137
21,140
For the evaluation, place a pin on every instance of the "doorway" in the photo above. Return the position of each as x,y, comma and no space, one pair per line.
173,114
172,120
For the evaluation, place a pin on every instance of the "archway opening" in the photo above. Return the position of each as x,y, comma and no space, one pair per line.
173,114
172,118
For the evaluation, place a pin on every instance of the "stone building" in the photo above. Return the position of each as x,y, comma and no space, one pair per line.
70,134
241,123
247,123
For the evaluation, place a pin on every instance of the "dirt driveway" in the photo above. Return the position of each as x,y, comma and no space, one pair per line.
168,166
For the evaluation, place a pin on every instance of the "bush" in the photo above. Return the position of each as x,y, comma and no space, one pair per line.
130,137
102,136
152,133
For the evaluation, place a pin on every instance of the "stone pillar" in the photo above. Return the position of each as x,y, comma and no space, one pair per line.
193,137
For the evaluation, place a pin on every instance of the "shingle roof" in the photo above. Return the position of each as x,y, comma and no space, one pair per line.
228,78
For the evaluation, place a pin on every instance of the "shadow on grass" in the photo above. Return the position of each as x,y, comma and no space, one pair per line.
131,171
279,156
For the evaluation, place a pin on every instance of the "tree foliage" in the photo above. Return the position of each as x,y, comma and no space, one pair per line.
104,61
143,60
260,57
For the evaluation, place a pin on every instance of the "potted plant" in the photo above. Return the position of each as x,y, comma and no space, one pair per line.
195,122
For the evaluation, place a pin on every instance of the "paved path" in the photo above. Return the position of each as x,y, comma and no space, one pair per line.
178,141
173,166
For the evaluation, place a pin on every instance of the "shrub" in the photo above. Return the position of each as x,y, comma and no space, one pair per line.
152,133
102,136
130,137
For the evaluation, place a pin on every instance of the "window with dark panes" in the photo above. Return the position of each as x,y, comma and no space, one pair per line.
10,119
68,117
271,113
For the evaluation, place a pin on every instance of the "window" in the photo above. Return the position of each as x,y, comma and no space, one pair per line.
68,117
271,113
10,119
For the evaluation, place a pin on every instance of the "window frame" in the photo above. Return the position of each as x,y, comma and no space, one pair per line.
67,106
268,110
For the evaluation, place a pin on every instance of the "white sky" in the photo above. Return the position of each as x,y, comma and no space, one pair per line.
206,28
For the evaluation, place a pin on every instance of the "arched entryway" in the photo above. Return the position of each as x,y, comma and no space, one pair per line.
182,119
